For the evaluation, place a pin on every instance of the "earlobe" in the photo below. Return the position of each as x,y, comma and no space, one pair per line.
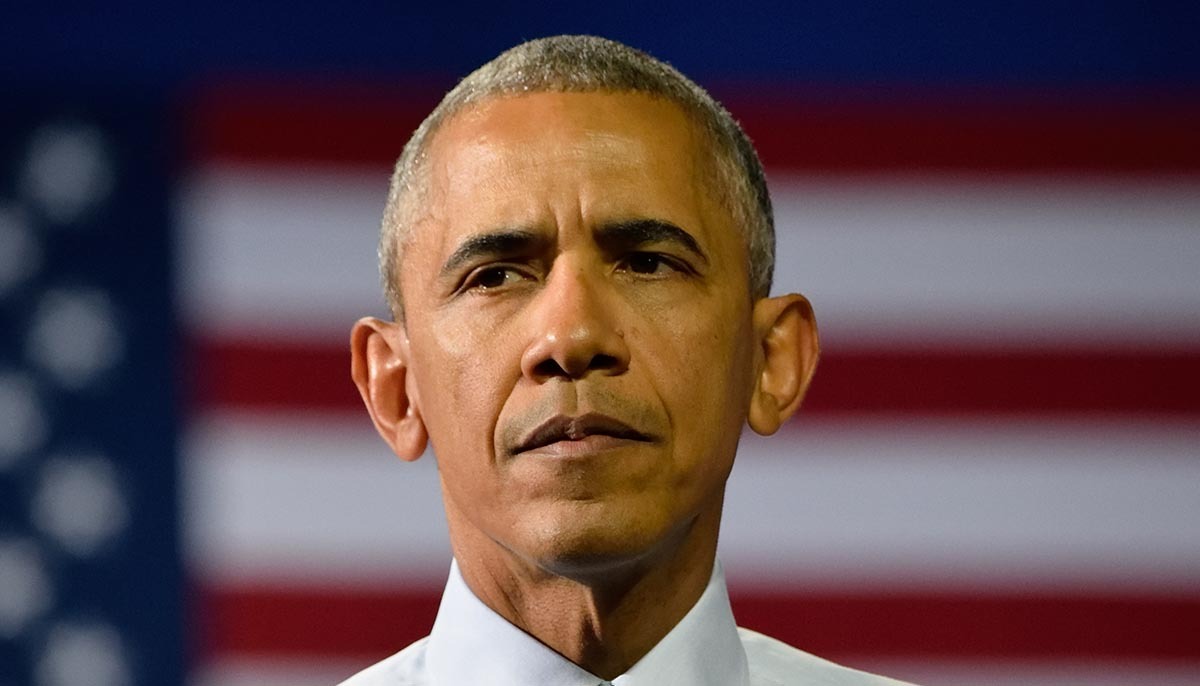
379,366
789,347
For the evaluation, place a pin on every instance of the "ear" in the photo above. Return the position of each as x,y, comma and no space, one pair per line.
379,366
787,335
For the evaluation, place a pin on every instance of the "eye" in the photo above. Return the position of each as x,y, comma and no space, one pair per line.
491,278
648,263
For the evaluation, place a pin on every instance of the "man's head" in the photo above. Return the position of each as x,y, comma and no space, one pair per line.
583,340
586,64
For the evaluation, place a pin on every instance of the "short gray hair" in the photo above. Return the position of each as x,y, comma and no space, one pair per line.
585,64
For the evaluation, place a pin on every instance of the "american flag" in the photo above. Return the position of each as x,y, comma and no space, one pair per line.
995,477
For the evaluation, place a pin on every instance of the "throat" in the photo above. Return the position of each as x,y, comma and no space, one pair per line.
603,622
606,629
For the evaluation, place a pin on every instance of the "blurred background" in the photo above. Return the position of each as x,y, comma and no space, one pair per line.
995,209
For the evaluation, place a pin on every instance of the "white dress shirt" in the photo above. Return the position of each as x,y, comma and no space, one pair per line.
471,645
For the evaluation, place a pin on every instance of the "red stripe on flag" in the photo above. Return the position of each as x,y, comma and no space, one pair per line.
368,625
951,381
284,375
986,626
993,137
259,375
312,124
274,621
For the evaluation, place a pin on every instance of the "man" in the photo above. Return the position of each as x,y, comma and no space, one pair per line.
577,249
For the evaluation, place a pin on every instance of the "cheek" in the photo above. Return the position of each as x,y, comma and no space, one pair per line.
460,381
703,367
711,348
468,353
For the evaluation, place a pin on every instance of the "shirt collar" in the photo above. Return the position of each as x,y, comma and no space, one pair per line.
471,644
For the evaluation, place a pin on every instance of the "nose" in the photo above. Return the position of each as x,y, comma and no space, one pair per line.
574,329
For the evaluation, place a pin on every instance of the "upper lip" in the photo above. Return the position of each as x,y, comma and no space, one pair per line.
564,428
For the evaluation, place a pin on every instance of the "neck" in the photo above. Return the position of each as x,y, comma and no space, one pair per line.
603,618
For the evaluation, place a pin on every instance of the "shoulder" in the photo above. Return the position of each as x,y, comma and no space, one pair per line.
405,668
775,663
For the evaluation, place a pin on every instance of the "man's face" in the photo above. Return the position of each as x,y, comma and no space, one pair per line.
579,326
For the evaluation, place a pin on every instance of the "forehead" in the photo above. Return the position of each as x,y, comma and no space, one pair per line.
529,160
579,126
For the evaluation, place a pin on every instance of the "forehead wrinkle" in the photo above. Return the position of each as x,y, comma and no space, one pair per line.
471,131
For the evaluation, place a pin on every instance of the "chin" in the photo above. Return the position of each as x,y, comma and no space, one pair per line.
600,543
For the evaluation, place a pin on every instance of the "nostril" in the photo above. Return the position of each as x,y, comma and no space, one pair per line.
549,368
602,361
552,368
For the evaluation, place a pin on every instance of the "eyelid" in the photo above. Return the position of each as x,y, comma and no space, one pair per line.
675,262
468,281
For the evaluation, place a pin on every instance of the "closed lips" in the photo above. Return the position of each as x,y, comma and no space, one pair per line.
563,428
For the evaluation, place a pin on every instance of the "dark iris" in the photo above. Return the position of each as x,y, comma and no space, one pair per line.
644,264
491,278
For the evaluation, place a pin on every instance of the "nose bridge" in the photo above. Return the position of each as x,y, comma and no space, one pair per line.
574,326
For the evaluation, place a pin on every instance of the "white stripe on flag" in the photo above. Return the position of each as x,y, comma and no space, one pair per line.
1027,261
976,505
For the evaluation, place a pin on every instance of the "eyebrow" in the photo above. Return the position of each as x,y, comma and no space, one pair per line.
613,237
635,233
497,243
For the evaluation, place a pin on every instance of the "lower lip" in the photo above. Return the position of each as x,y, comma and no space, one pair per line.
583,447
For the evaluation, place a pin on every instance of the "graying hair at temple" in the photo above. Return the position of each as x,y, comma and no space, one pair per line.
589,64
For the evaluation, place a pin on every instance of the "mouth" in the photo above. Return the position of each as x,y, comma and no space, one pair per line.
583,434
